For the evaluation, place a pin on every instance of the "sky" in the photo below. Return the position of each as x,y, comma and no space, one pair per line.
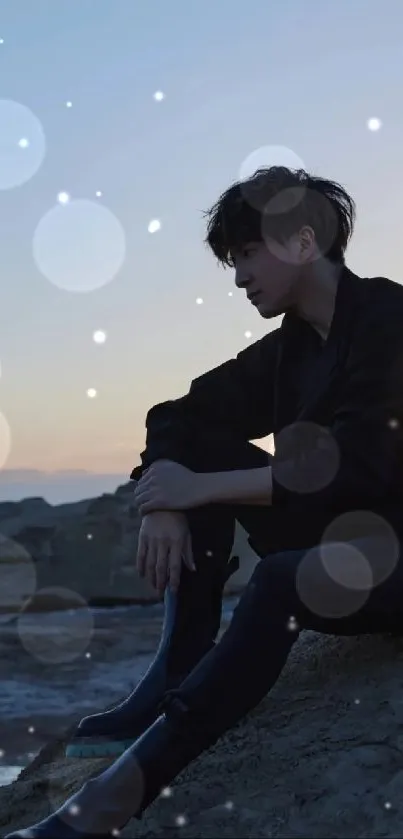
120,118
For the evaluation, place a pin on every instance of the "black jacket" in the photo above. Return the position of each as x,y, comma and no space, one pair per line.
355,390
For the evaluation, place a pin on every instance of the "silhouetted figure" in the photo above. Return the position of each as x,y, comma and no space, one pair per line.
328,383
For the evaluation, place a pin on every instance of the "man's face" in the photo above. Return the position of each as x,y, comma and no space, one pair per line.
271,272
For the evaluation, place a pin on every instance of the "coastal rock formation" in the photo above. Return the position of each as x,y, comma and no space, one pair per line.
321,757
87,549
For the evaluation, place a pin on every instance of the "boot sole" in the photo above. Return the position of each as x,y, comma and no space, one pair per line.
87,748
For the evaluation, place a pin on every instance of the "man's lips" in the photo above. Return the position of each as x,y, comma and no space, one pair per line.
253,295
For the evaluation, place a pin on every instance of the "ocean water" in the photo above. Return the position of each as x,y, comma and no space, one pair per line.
21,697
8,774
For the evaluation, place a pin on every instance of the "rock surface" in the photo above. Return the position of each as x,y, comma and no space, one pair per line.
322,756
86,550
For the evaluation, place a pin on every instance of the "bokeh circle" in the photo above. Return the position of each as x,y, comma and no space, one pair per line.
18,578
337,588
316,207
375,537
22,144
264,157
55,625
5,440
79,246
307,457
127,786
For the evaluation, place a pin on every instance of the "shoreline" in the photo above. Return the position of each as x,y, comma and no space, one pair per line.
40,701
41,605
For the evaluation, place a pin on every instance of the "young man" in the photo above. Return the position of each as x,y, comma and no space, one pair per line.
324,514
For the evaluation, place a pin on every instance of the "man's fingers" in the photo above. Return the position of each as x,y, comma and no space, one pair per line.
160,556
187,553
161,568
141,556
175,565
151,562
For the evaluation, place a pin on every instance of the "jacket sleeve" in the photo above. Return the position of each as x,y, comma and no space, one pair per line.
233,402
367,424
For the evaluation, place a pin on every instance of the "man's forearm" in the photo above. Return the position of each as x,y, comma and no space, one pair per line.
240,486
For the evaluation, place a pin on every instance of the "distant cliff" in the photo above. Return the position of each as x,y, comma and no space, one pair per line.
85,550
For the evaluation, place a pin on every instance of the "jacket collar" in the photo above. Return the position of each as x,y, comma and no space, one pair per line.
333,355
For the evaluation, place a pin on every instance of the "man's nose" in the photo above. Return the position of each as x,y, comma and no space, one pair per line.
241,278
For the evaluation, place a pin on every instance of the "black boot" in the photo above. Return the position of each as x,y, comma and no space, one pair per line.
191,623
227,683
128,787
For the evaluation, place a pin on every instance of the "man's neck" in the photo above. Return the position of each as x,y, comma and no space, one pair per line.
318,296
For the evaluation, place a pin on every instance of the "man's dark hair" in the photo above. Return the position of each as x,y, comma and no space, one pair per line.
276,202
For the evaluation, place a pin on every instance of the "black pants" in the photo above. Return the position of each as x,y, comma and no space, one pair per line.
293,587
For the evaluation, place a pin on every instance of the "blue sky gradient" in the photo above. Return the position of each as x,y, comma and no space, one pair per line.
237,78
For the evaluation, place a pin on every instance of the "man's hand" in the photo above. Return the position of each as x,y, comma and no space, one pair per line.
164,540
167,485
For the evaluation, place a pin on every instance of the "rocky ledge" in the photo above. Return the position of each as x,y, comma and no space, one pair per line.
322,756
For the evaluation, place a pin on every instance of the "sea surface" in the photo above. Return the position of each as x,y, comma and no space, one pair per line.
26,699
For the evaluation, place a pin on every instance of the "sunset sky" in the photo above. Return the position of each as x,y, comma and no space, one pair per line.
238,85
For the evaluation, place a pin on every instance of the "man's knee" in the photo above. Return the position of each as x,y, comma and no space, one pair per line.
273,582
315,587
270,599
278,570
